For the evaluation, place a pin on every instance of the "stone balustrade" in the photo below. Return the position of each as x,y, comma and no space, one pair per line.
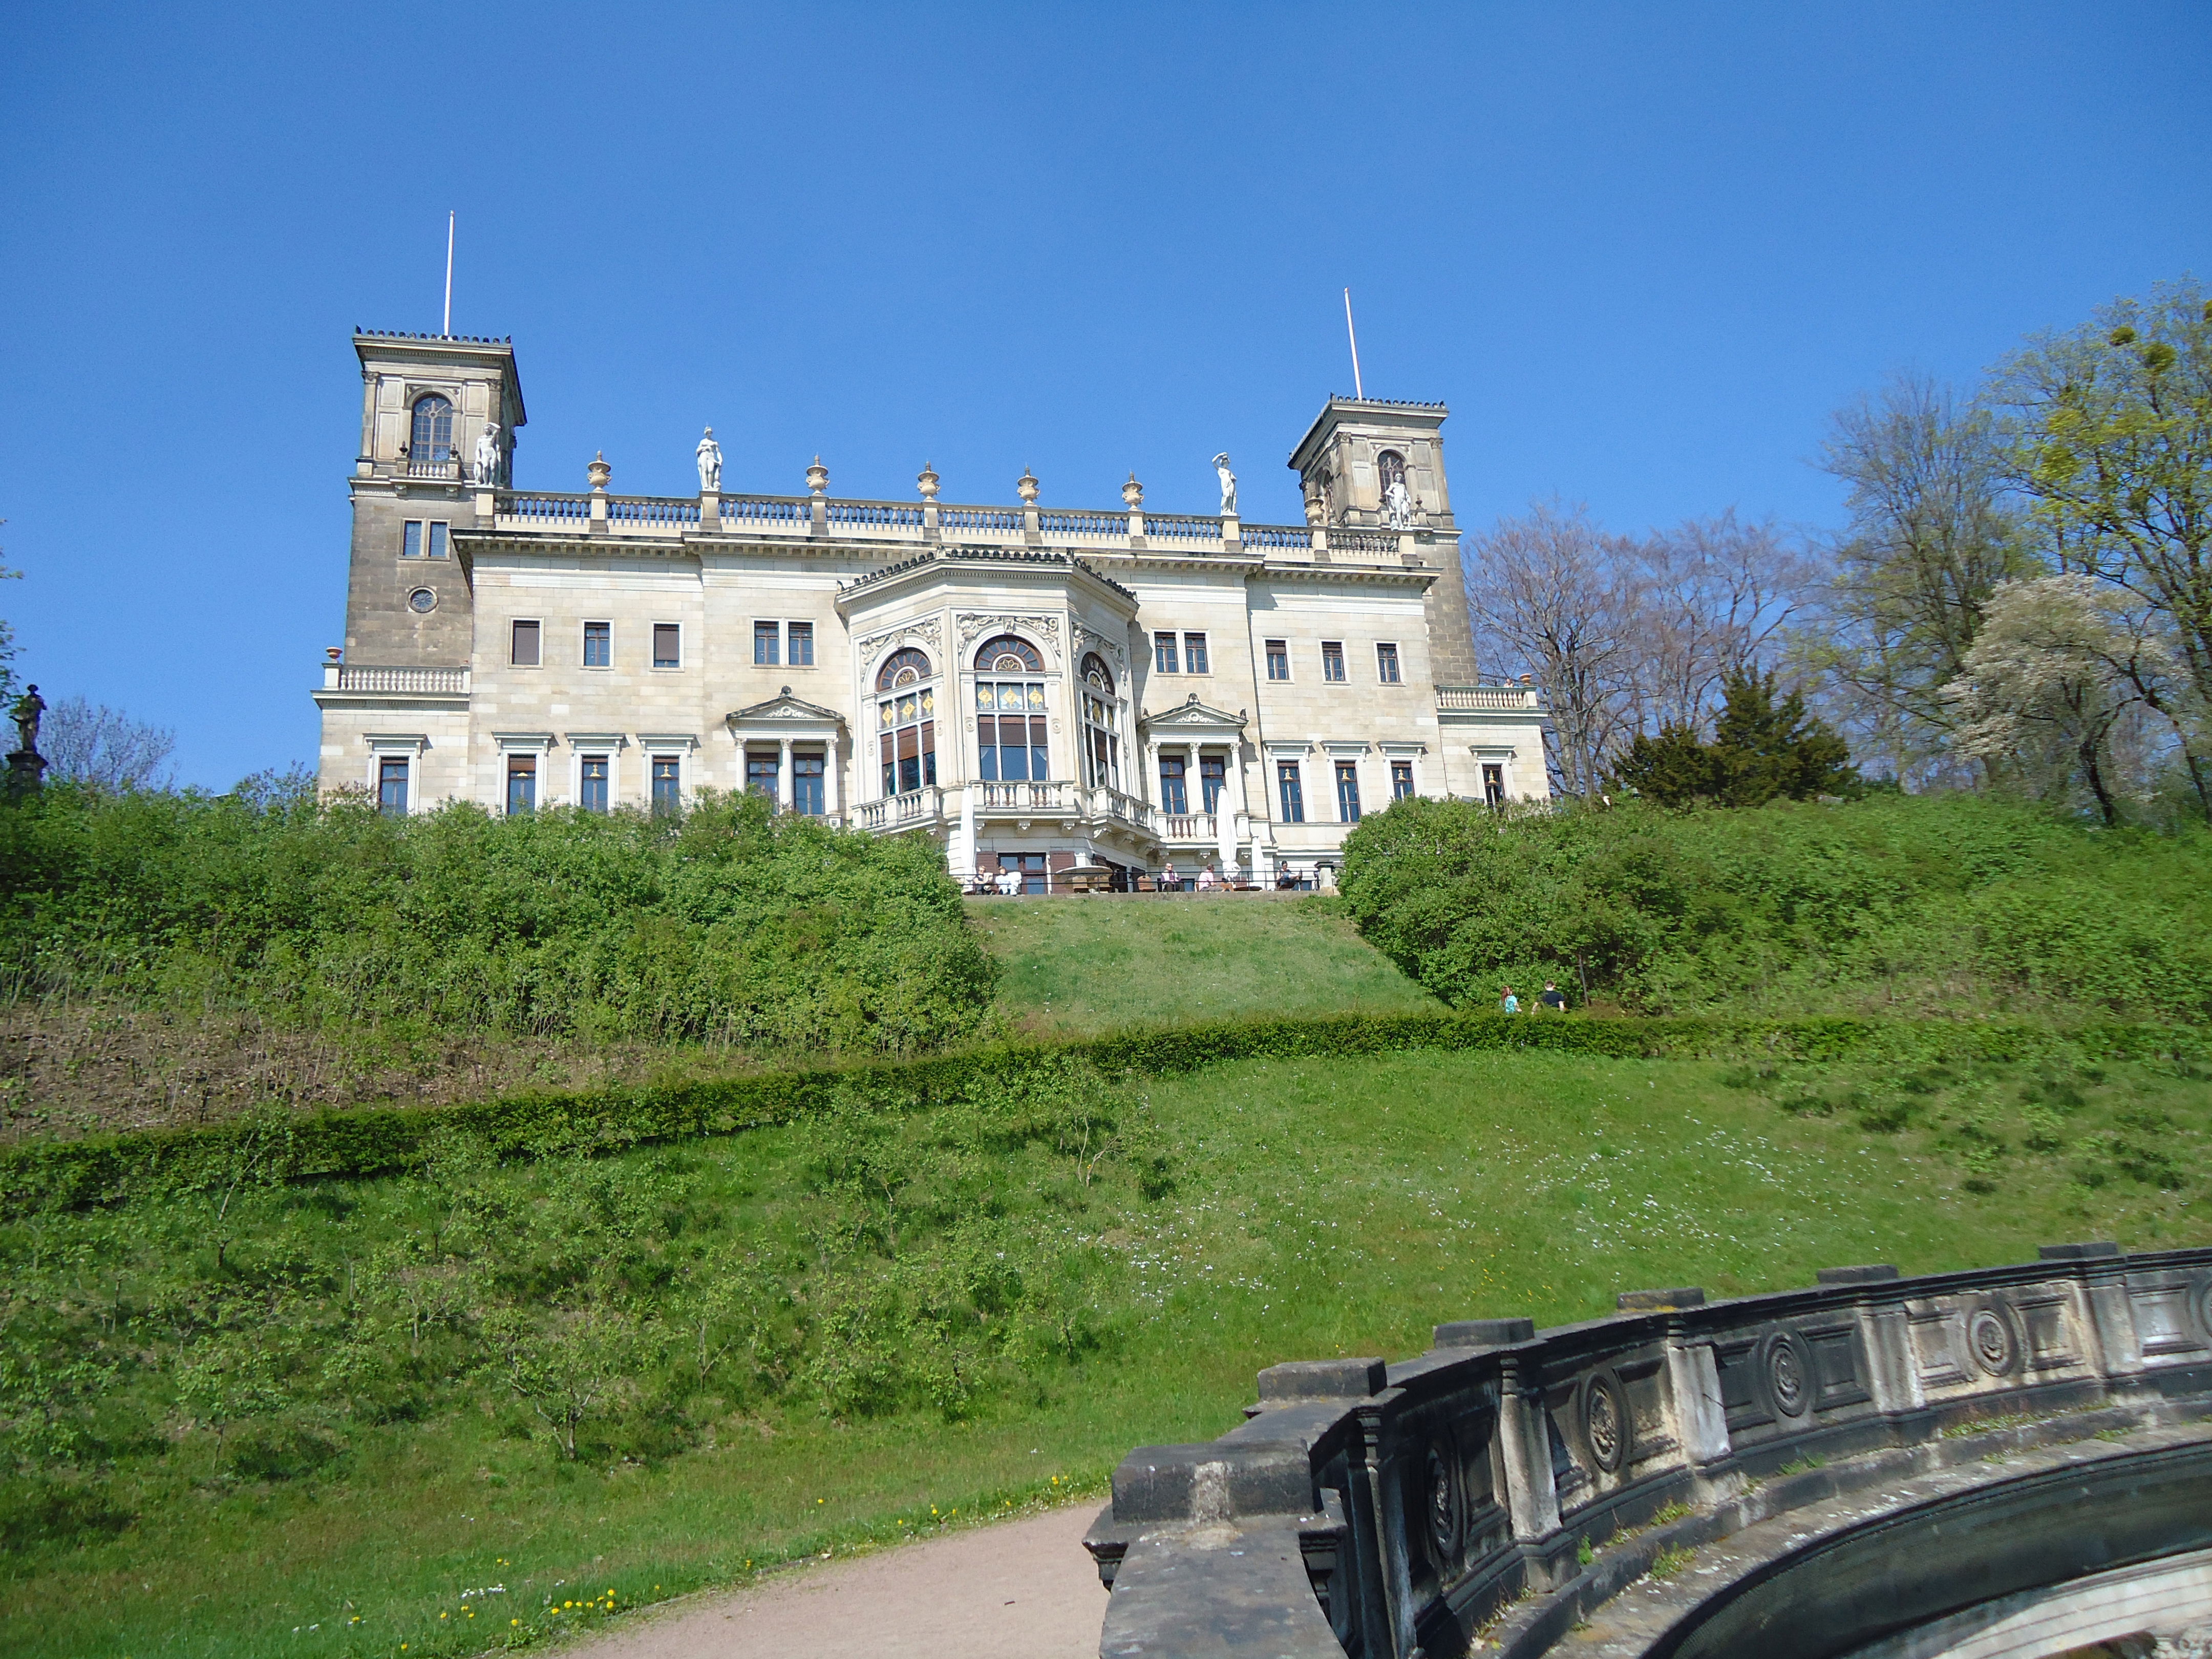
1385,1511
1181,827
364,677
1501,697
910,522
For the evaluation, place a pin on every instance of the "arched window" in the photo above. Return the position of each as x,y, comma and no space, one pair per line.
1390,469
906,723
1012,729
433,430
1102,740
907,667
1008,654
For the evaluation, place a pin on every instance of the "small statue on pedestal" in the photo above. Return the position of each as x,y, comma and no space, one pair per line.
26,712
1228,485
487,455
1399,504
710,464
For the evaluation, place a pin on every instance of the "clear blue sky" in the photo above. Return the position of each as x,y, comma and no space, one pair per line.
1641,249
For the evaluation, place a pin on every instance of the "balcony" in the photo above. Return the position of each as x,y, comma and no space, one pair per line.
1488,699
341,680
1194,828
1093,809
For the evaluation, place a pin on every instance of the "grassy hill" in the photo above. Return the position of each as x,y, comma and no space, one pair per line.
1079,966
239,1422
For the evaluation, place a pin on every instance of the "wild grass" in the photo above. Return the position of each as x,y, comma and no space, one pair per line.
1071,967
1257,1212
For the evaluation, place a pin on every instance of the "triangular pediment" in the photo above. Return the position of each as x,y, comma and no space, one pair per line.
786,707
1192,715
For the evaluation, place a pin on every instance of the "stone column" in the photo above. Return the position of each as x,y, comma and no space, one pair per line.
785,794
1532,1500
1225,814
833,774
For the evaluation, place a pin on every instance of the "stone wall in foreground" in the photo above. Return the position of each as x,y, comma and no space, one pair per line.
1391,1510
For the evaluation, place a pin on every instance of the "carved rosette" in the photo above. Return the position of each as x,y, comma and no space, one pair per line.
1992,1341
1605,1426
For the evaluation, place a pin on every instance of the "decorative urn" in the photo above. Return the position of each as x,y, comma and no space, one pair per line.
1026,488
600,472
817,477
926,482
1133,493
1316,509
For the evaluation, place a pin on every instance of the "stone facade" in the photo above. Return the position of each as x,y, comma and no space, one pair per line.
1039,688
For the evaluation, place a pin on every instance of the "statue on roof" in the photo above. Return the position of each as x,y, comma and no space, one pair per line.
710,464
1399,504
1228,485
488,453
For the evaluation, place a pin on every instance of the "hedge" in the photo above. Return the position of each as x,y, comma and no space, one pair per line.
109,1168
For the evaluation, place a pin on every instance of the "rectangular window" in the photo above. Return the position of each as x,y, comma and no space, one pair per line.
1163,653
667,645
392,789
598,645
1493,785
411,540
667,784
523,654
806,795
1292,791
1332,660
764,645
1347,792
1193,653
802,645
1212,772
1278,660
1385,663
761,769
1401,780
437,540
1174,799
593,781
522,785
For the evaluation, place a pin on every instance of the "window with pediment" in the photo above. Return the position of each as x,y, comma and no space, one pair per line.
1102,734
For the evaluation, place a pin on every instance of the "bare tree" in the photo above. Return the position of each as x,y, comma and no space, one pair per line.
1554,597
1714,596
89,743
1931,537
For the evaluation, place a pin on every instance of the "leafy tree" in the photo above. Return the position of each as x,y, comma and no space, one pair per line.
2109,433
1763,748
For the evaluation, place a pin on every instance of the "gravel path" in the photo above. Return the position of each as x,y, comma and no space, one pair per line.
1023,1590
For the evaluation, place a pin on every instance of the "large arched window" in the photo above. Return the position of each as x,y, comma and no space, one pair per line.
1008,654
1011,741
1101,739
906,723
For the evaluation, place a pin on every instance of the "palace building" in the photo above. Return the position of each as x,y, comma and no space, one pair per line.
1039,688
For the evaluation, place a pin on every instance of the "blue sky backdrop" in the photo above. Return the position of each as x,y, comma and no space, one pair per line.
1642,251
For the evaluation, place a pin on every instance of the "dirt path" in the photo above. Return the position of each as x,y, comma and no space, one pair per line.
1023,1590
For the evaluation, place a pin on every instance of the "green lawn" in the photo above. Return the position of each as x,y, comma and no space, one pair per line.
1308,1208
1076,966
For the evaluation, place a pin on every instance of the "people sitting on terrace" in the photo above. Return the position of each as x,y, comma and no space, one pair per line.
1206,881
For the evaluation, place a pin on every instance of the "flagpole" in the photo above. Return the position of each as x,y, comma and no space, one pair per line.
1357,389
448,327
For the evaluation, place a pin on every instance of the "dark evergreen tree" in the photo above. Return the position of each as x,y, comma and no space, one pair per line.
1764,746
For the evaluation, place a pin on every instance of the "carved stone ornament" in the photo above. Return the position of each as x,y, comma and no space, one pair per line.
924,634
1443,1507
1789,1375
974,626
1085,640
1605,1421
1990,1337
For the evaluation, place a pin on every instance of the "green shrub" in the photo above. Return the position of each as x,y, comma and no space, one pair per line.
727,923
1954,904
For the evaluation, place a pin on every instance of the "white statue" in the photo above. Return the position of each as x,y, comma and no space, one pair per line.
1399,504
1228,485
710,464
488,453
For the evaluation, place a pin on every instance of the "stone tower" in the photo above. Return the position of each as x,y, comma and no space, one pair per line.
1346,463
428,404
